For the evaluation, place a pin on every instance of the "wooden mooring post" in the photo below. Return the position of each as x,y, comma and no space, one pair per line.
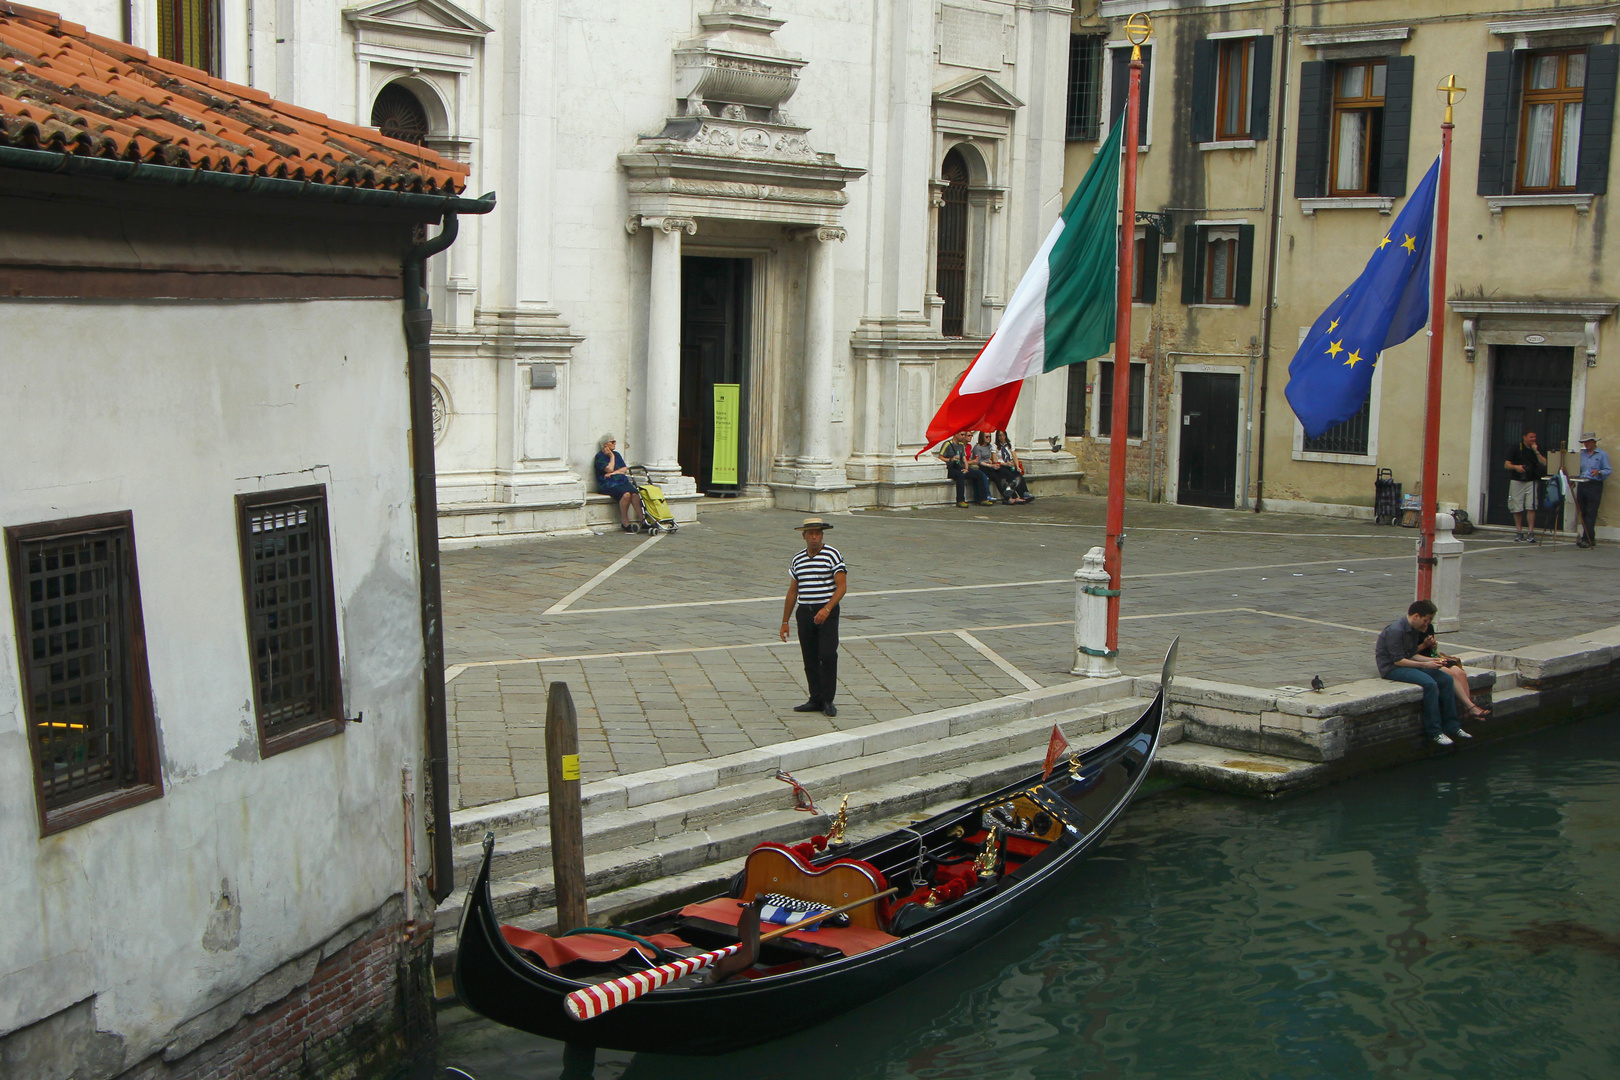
567,828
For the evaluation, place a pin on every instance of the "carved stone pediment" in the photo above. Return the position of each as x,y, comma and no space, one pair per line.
978,92
729,151
431,18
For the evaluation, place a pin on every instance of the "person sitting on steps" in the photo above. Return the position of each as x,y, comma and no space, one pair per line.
1398,654
984,460
954,452
613,480
1007,458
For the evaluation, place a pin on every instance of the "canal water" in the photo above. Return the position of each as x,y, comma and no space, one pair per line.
1455,917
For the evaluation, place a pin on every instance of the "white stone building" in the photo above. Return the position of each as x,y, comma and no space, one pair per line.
826,204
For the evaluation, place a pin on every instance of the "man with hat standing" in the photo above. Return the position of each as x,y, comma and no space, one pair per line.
1589,492
817,581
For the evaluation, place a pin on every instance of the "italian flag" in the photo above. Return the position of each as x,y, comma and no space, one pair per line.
1063,311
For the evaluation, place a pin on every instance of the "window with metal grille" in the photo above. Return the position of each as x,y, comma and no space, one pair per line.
188,33
1105,400
292,616
1348,437
83,657
1084,117
951,275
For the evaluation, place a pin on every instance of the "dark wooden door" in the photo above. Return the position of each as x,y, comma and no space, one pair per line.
1529,392
716,303
1209,440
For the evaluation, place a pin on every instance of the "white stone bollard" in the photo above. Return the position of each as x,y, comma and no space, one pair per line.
1091,656
1448,551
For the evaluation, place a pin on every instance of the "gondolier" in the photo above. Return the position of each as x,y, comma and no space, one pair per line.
817,580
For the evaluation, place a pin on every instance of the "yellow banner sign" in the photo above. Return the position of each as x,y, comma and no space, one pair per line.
723,459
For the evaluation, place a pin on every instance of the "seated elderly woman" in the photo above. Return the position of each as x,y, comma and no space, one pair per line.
613,480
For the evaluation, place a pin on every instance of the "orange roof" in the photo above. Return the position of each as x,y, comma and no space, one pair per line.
65,89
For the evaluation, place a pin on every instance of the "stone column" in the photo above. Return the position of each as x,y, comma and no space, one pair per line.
1091,656
659,442
813,482
815,443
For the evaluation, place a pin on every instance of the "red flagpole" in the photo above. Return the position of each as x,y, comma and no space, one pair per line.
1437,327
1122,338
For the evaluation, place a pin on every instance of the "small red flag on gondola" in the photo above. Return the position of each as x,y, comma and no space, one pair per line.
1054,750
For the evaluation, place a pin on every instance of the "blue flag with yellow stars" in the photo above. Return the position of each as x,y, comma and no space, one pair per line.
1331,375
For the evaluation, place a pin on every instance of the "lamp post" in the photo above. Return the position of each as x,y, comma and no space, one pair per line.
1138,29
1453,93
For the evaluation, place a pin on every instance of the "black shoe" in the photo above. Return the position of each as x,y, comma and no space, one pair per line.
830,709
809,706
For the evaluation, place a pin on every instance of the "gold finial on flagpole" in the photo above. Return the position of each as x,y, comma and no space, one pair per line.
1138,29
1453,93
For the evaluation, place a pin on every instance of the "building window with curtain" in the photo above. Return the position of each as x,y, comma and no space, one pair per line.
1084,115
188,33
951,249
1217,263
1234,88
1358,121
1554,89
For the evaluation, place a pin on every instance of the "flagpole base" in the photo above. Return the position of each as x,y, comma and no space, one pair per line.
1093,659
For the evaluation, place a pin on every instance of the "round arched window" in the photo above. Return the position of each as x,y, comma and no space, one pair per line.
398,113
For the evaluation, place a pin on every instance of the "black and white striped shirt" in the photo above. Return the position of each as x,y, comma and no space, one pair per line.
814,573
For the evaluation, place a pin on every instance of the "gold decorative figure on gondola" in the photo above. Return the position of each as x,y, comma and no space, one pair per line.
985,861
835,835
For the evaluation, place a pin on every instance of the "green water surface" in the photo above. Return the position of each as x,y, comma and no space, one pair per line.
1455,917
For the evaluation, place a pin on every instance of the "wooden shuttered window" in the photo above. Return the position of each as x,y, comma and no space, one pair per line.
1224,276
1325,144
1119,89
1232,89
1503,121
1145,267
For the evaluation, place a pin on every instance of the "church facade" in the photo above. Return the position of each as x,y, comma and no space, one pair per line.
819,208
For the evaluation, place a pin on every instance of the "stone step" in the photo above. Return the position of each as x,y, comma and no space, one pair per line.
1506,703
657,785
731,835
529,851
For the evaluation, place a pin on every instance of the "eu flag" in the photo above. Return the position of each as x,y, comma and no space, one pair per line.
1331,374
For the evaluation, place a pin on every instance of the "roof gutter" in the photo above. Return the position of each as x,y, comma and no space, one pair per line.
53,161
418,321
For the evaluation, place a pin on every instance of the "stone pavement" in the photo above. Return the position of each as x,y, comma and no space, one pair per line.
673,656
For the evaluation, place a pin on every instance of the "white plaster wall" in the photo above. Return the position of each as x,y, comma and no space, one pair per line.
170,410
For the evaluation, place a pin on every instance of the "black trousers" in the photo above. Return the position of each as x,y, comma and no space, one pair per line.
981,486
1587,498
819,644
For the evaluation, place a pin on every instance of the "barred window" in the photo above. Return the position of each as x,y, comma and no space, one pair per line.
292,616
1349,437
1085,87
1133,403
86,691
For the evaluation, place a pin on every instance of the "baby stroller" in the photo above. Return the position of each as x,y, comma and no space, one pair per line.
655,512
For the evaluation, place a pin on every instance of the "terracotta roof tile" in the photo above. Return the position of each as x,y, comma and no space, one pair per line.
74,92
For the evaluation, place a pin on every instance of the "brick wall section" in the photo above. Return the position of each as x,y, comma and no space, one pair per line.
359,1017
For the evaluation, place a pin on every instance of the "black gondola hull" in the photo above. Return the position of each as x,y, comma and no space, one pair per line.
496,981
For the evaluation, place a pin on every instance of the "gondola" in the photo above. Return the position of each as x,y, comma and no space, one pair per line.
954,880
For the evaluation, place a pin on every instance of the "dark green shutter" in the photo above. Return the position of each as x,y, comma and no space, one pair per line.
1192,265
1150,267
1204,87
1397,125
1120,87
1315,117
1245,264
1496,126
1260,103
1597,119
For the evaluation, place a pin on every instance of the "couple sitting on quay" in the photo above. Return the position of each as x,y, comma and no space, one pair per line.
1407,652
982,464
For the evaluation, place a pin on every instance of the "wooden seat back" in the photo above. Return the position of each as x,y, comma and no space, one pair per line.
771,869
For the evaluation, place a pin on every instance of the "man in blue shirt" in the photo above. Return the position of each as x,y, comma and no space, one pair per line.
1589,492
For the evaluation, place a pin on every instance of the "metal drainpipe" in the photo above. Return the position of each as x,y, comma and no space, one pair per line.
419,367
1152,403
1277,144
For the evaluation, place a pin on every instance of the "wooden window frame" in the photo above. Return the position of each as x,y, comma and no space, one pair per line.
1559,96
333,722
1240,51
1373,106
141,724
